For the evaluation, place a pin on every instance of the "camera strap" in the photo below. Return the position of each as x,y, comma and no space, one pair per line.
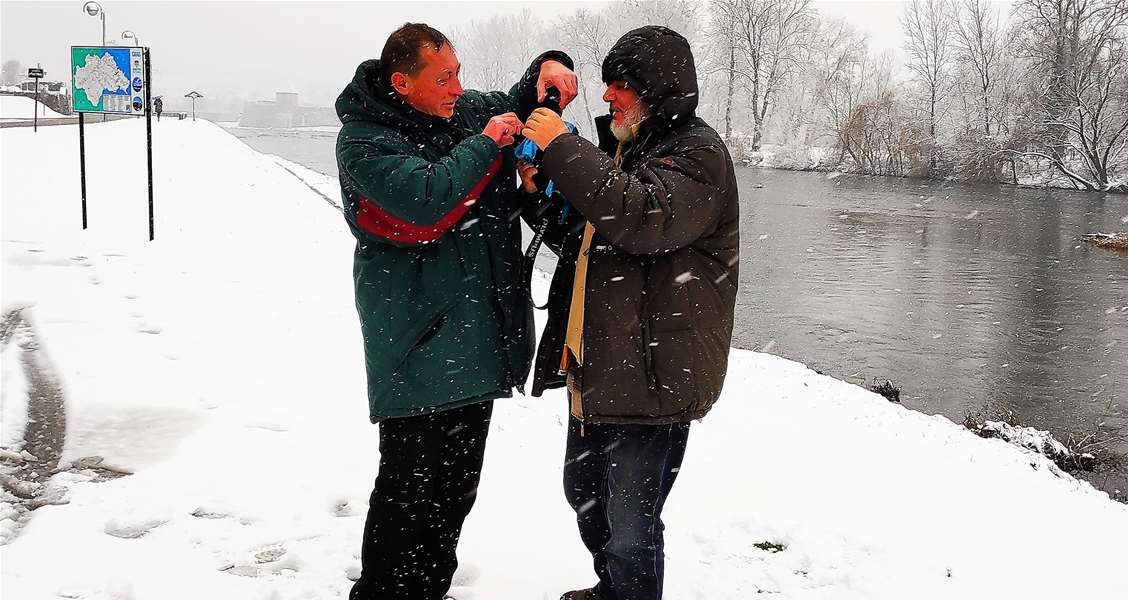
530,261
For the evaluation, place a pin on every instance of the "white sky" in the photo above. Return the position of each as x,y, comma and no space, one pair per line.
252,49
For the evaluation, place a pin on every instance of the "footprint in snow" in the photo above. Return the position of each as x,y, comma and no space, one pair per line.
131,530
150,329
204,512
269,553
343,507
267,561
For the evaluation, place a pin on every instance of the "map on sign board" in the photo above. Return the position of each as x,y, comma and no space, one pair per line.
108,80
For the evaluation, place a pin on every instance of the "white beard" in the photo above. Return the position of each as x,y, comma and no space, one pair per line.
632,119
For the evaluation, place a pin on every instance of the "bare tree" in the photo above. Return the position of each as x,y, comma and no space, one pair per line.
982,77
878,133
1079,67
772,36
680,15
928,31
839,63
495,51
586,36
979,47
722,53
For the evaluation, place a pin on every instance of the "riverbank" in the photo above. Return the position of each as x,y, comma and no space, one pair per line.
221,365
821,159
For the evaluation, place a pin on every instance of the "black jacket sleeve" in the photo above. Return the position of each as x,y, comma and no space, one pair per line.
664,204
522,97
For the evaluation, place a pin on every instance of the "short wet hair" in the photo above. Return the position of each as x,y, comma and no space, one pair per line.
402,50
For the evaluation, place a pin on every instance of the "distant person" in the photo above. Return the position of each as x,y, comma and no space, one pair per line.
158,107
429,188
641,304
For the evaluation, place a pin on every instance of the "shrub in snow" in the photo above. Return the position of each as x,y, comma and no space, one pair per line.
1038,441
887,389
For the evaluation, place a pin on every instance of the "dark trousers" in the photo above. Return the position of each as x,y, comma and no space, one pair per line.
427,483
617,477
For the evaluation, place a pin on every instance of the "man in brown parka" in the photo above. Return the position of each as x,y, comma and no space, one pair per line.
641,305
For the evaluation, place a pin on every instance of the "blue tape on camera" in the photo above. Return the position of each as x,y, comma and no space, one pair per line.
526,151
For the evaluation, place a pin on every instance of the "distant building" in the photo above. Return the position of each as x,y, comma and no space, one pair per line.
49,87
284,112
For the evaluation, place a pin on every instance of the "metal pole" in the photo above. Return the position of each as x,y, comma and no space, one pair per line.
82,161
102,13
149,135
35,115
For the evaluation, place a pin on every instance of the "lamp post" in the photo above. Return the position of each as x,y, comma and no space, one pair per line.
128,33
193,95
95,10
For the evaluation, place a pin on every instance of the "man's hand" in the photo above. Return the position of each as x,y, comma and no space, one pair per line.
544,126
554,74
527,171
502,128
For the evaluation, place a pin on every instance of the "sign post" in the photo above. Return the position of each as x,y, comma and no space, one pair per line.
149,137
35,74
82,162
111,80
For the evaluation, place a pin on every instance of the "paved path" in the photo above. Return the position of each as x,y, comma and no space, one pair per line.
46,413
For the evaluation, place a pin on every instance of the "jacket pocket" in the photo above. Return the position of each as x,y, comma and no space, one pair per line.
614,377
430,333
673,369
421,330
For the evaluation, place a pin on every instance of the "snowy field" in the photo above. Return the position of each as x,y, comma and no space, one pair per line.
221,365
18,108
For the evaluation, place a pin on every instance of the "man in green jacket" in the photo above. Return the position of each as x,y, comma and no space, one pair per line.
429,190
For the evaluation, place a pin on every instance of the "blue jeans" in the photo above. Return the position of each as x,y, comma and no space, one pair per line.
616,478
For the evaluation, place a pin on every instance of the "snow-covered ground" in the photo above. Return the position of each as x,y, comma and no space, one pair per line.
221,365
18,108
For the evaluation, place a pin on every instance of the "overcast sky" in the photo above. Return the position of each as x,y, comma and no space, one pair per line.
252,49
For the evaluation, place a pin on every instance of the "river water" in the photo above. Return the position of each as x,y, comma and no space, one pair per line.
970,298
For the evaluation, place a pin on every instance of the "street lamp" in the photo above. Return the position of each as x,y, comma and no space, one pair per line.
128,33
94,9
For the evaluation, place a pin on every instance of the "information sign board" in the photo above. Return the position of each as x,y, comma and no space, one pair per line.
108,79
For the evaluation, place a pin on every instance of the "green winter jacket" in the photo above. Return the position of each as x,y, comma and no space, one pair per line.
437,268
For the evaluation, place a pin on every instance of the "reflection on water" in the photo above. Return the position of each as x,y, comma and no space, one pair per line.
965,296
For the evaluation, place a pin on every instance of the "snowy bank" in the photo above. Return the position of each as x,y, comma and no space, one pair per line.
20,108
221,365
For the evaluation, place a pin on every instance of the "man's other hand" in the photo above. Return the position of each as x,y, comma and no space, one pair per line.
555,74
527,171
544,126
502,128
